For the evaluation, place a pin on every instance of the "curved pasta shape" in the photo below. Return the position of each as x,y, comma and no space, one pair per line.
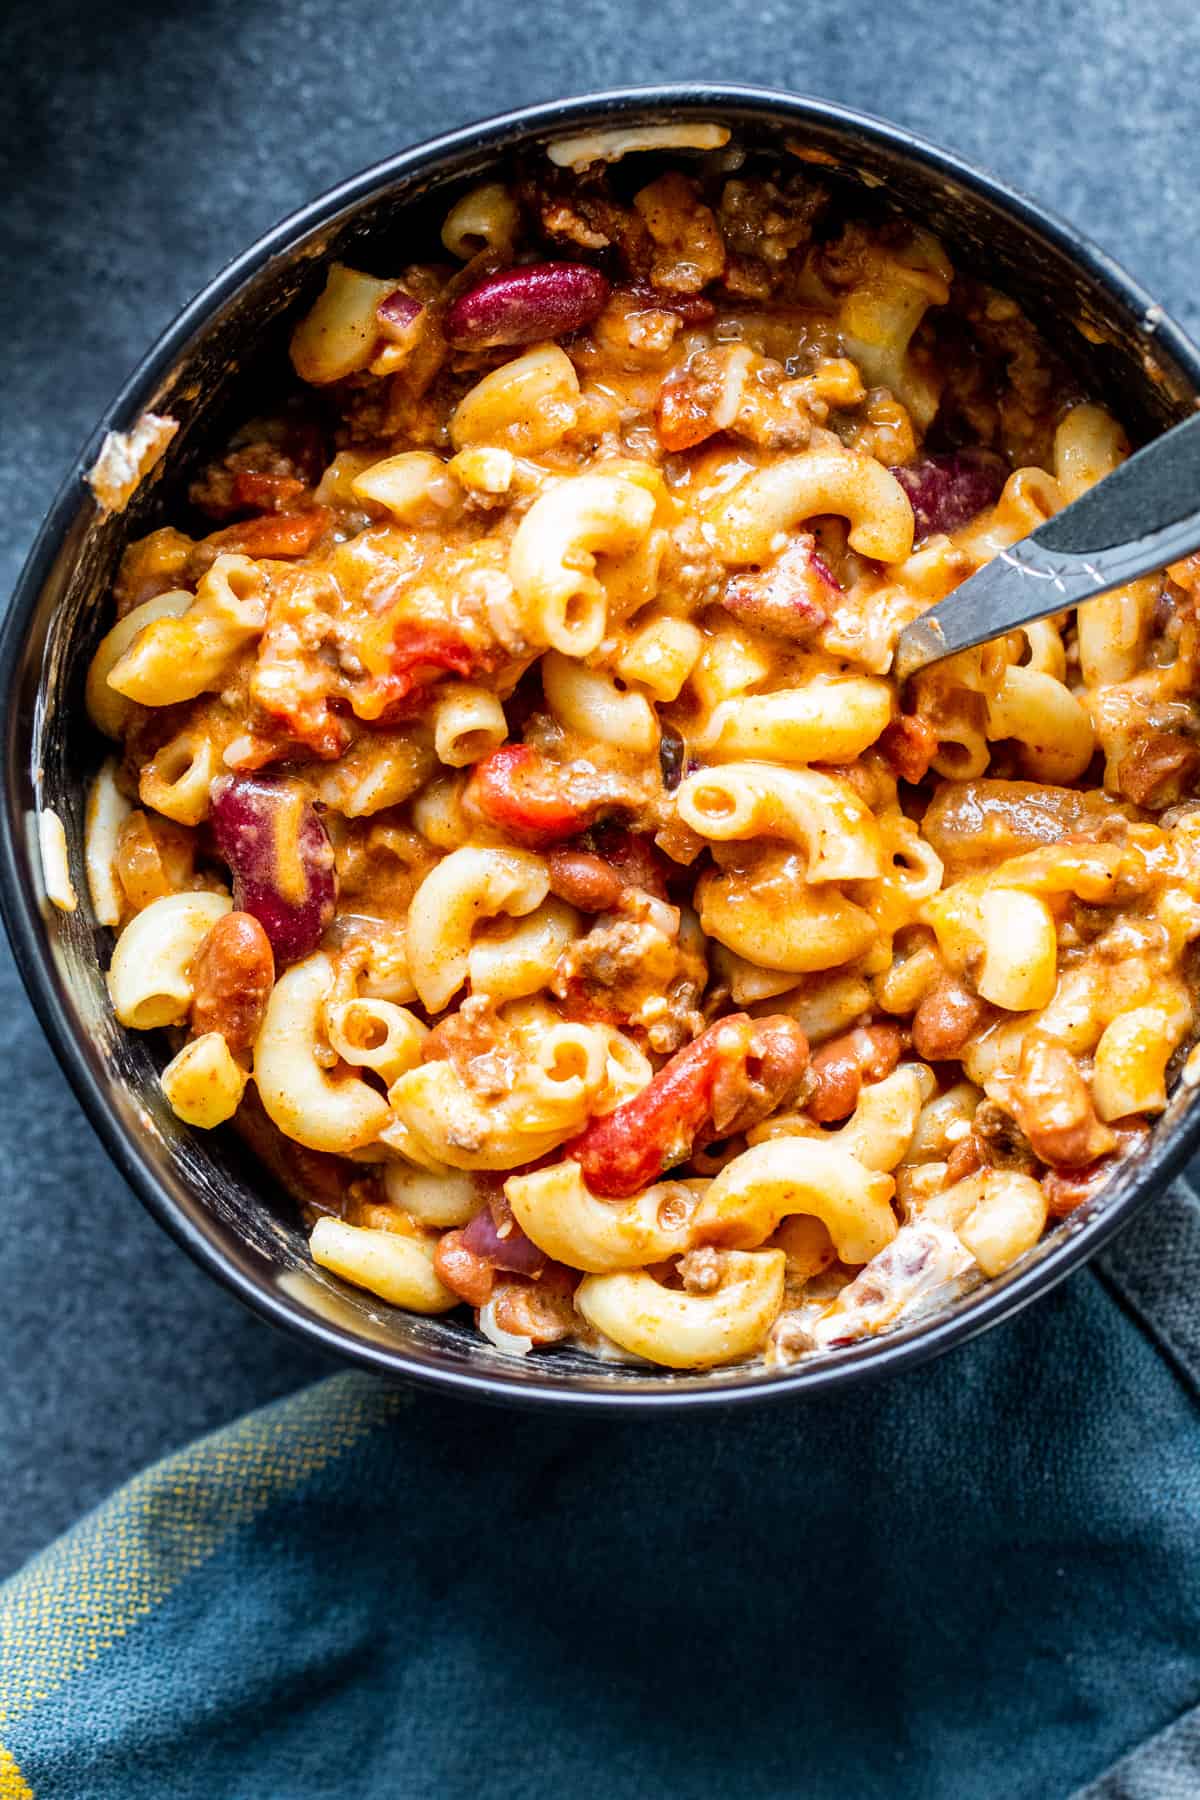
829,719
204,1084
525,405
173,659
396,1267
945,1120
1019,970
552,558
467,887
589,701
627,1070
661,655
880,314
468,722
880,1131
486,218
1088,445
729,664
567,1064
773,501
557,1211
799,1175
825,1005
521,960
1029,497
149,978
375,1034
441,1198
456,1127
822,812
303,1099
1129,1075
1111,632
688,1331
1008,932
108,710
998,1214
177,779
819,930
107,808
1051,725
415,487
338,335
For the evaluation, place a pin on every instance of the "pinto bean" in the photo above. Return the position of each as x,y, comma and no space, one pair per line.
948,1016
966,1157
1054,1108
1065,1189
541,1309
839,1068
463,1270
775,1070
233,973
584,880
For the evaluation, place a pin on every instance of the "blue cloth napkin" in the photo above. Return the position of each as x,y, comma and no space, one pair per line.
980,1580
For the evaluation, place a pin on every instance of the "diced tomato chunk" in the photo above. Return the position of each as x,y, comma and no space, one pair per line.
274,534
682,417
731,1077
910,745
519,790
631,1147
432,647
268,493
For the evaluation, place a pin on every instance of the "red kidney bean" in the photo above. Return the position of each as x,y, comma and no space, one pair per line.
268,831
397,313
495,1235
524,305
948,490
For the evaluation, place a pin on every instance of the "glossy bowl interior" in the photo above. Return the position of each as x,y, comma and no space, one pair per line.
206,372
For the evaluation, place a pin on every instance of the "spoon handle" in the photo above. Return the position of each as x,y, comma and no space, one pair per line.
1141,517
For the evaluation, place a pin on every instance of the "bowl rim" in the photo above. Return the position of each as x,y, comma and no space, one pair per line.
26,926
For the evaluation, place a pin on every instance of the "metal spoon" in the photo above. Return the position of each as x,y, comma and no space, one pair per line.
1141,517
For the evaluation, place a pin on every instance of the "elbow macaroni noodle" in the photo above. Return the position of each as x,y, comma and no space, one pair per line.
644,966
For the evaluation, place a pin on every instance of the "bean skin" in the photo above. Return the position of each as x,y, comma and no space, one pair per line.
840,1067
584,880
947,1017
233,973
526,305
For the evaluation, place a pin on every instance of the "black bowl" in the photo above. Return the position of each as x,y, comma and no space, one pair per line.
205,1189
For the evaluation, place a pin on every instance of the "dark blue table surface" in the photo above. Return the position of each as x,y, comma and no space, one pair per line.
141,146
